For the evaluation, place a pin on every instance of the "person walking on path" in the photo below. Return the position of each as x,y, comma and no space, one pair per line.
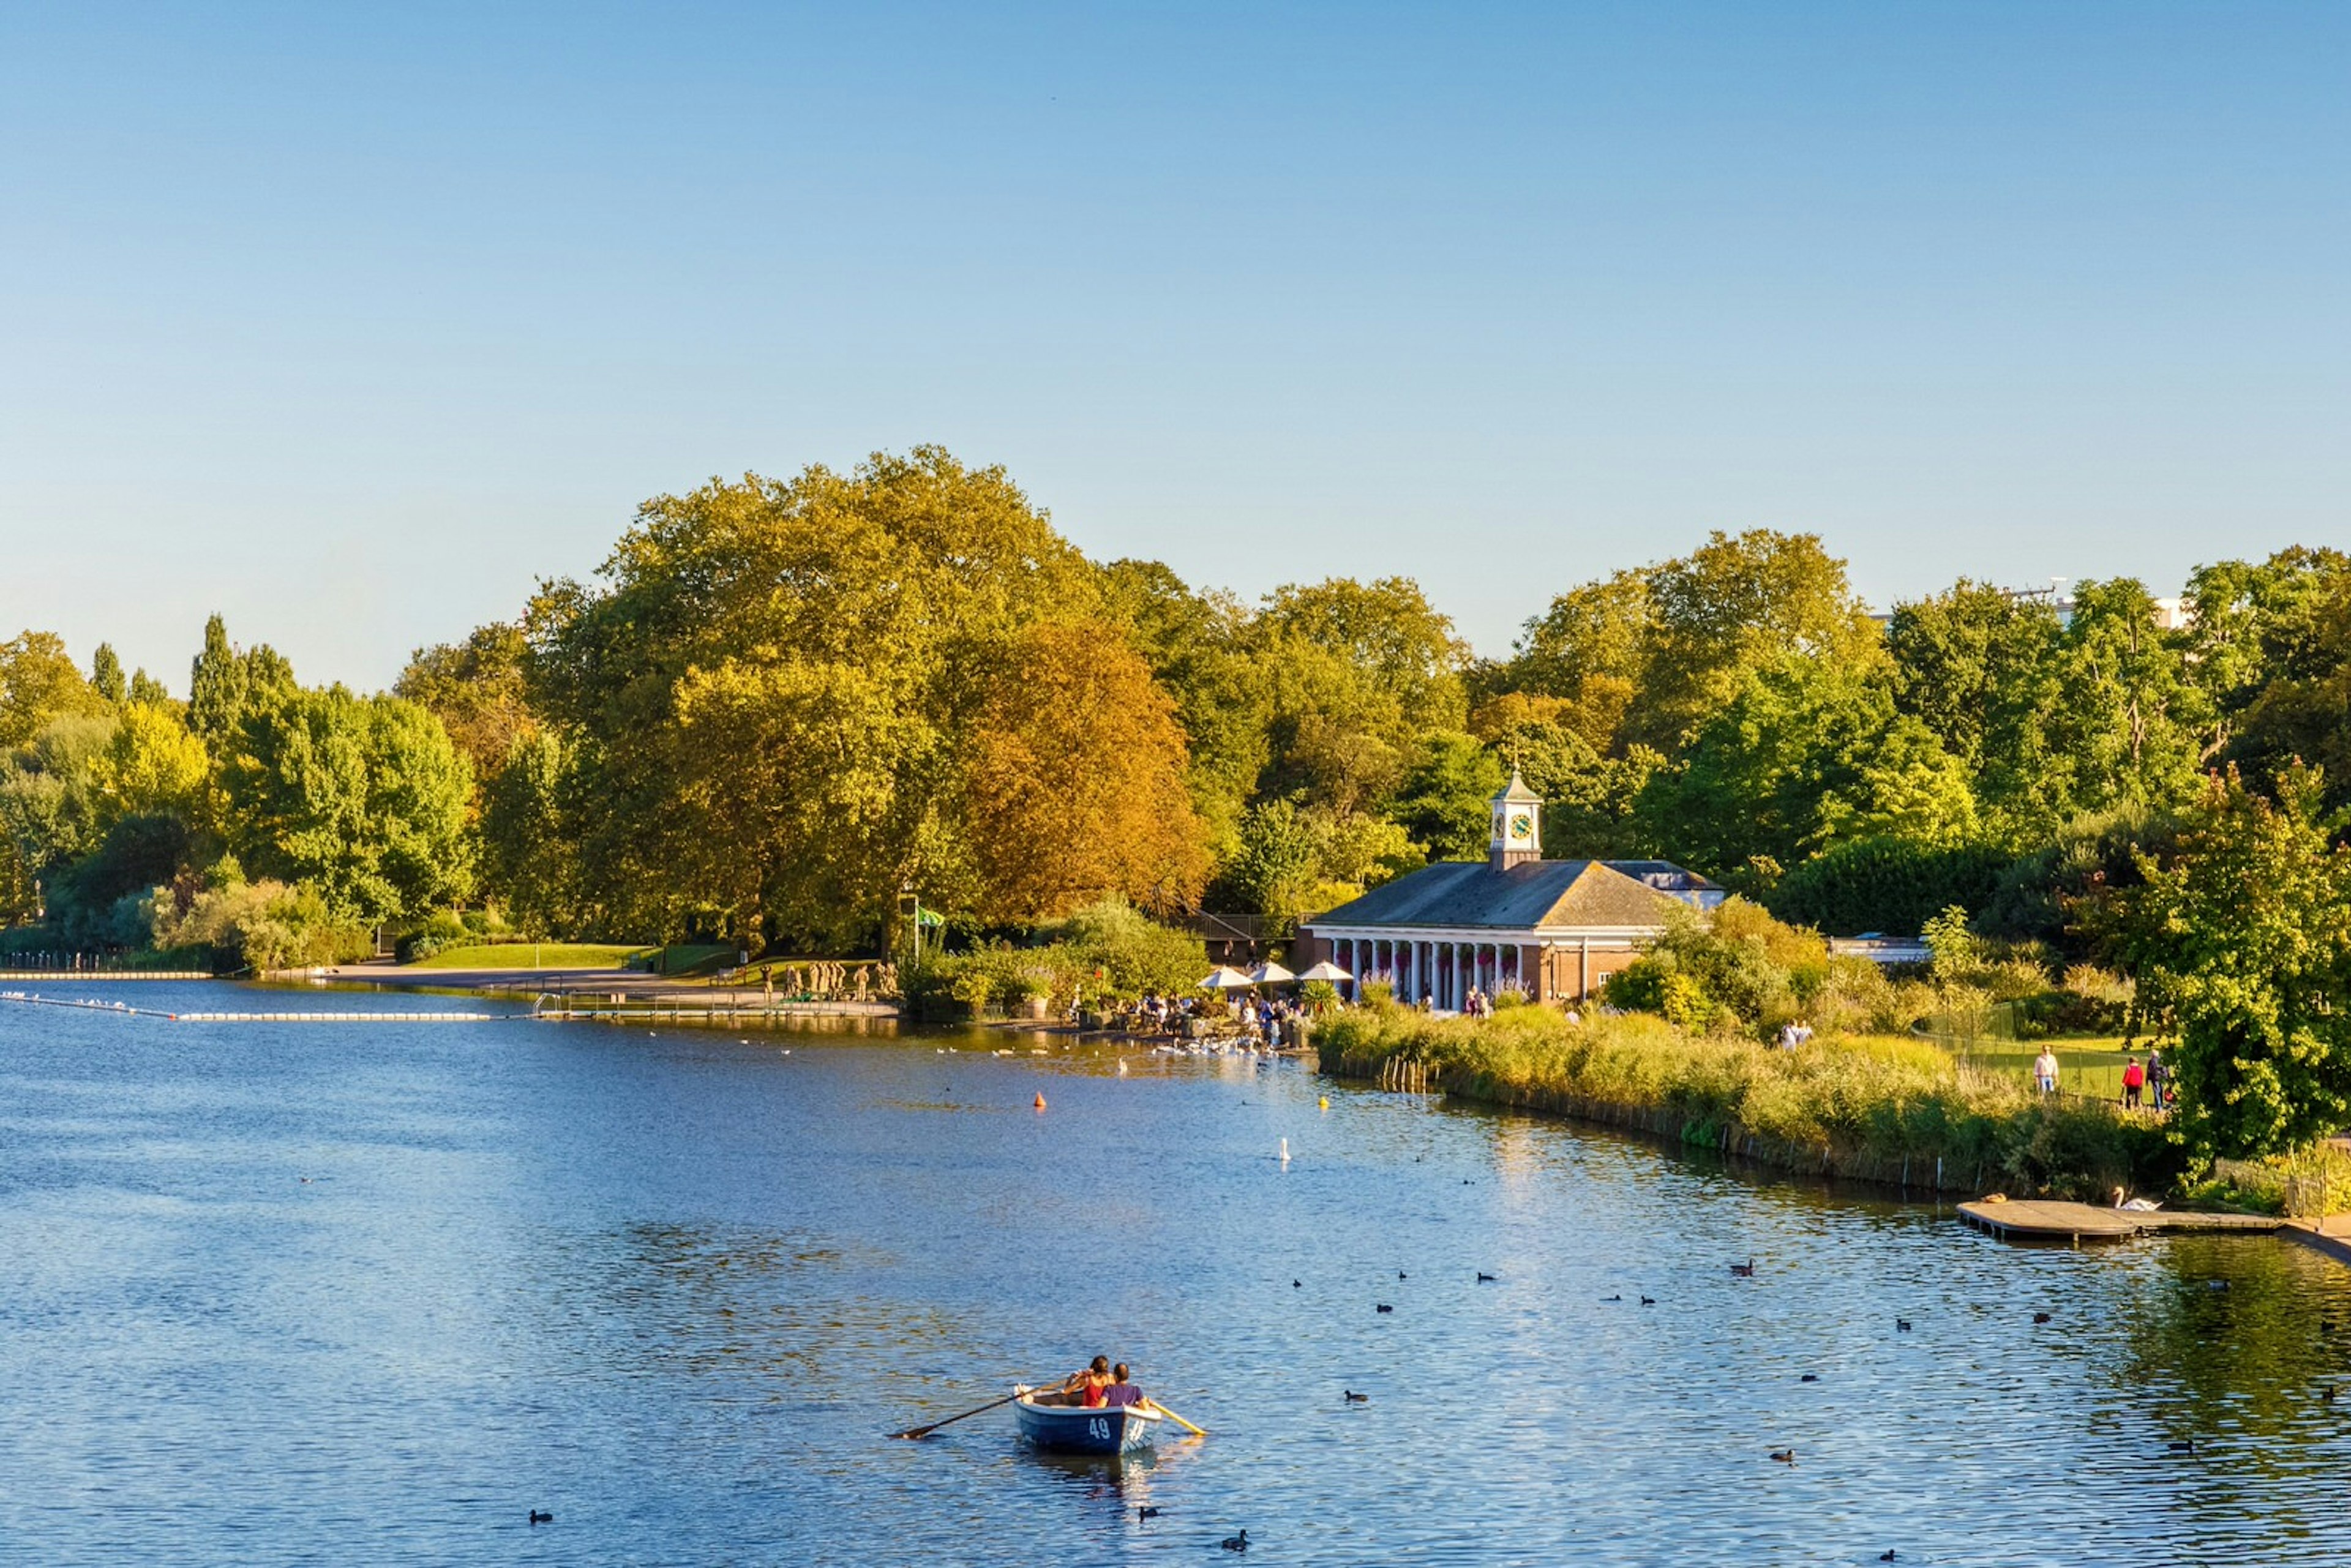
2045,1071
2134,1079
2158,1078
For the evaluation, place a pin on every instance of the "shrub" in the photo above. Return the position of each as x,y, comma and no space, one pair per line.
438,930
261,925
1108,952
1886,884
1740,969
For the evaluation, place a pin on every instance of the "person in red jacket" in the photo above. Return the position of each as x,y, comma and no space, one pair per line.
2134,1079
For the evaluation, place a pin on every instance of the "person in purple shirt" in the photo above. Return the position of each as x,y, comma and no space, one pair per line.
1120,1392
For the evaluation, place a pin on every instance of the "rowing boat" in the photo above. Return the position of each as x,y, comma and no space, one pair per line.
1075,1429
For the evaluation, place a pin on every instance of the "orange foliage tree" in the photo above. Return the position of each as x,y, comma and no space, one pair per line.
1075,784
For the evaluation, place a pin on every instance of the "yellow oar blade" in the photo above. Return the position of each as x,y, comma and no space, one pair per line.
1179,1420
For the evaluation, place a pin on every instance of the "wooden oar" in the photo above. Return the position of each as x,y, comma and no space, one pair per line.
974,1410
1175,1418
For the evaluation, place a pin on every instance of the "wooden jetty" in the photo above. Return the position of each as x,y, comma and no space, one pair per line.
2033,1219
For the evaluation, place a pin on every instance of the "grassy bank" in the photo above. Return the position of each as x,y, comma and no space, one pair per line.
1874,1108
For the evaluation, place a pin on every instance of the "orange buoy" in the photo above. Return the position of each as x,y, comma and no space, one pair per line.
1040,1099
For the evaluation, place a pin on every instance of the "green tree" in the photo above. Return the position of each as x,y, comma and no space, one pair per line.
363,799
51,805
1357,673
1981,668
1277,870
1588,653
1198,648
2271,646
38,683
530,859
1886,884
2247,940
476,689
153,766
1810,750
225,685
106,673
1735,605
1444,801
2128,721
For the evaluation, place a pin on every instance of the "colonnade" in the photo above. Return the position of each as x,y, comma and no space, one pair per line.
1442,973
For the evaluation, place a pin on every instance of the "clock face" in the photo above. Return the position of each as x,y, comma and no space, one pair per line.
1522,826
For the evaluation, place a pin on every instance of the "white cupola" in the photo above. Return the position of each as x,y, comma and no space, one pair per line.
1518,826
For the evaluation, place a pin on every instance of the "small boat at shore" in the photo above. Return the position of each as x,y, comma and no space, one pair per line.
1076,1429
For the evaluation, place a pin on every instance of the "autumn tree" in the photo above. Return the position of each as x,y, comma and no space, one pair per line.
767,696
1074,781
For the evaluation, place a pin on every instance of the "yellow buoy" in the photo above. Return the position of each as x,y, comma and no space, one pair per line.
1324,1104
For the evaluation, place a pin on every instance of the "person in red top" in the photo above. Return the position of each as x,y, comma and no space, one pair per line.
2134,1079
1085,1388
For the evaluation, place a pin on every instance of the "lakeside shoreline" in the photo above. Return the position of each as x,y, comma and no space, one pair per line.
1890,1114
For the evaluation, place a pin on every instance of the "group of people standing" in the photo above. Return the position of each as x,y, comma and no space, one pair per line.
2148,1083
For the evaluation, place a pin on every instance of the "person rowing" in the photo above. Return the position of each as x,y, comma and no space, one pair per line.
1084,1388
1120,1391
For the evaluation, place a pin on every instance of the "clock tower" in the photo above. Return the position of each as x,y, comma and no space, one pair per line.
1518,826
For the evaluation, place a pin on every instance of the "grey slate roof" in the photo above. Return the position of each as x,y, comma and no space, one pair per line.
1535,895
1664,876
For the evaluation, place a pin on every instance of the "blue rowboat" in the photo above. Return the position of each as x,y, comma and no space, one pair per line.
1074,1429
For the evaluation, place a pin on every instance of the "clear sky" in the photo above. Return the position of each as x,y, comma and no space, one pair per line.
351,321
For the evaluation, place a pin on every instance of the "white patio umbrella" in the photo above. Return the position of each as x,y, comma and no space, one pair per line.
1226,978
1269,974
1326,970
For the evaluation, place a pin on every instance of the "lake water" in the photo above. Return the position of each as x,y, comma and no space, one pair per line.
343,1293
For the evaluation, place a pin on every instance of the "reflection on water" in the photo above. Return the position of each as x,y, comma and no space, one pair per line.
285,1292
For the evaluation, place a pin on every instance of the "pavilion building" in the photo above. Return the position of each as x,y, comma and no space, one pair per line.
1552,929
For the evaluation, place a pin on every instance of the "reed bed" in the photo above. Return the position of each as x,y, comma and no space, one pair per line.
1898,1111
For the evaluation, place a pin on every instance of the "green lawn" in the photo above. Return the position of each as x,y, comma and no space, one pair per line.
534,956
2091,1066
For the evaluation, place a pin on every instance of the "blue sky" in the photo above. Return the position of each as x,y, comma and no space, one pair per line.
352,323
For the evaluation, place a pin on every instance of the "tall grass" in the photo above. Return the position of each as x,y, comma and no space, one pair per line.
1878,1107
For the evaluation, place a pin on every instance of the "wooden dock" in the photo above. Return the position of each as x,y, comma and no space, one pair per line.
2033,1219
